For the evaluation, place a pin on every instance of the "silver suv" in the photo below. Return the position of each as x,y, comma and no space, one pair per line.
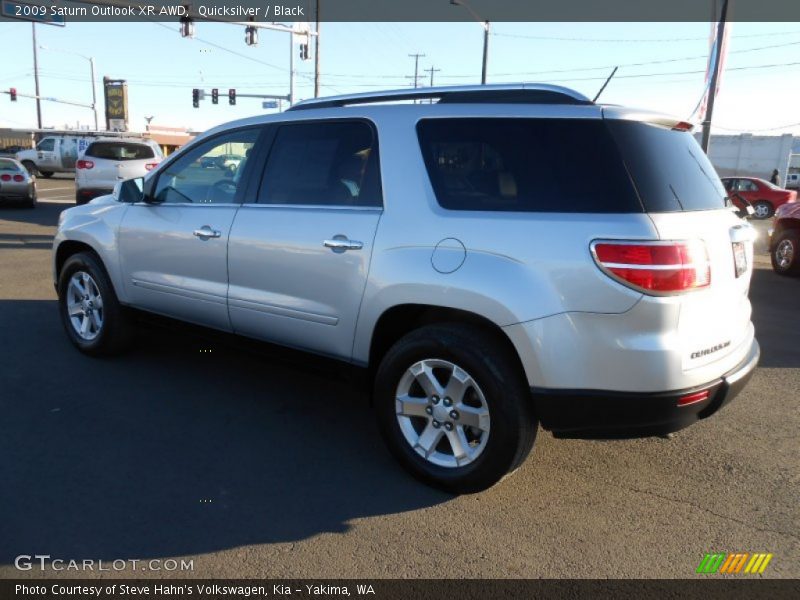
502,257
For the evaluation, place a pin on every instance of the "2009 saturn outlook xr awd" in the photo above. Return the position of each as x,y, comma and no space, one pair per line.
503,257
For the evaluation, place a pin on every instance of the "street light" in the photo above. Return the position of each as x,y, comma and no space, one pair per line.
91,67
486,27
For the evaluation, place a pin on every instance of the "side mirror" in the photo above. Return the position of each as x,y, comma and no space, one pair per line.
130,191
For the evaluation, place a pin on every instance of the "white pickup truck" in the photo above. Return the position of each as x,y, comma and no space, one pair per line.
58,153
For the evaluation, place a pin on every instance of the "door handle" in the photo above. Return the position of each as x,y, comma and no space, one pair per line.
340,243
205,232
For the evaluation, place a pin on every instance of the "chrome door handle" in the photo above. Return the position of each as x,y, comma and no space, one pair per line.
205,232
340,243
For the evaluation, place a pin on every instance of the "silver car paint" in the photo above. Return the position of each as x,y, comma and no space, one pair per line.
531,274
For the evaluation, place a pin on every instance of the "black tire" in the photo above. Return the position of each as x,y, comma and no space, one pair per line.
46,174
79,199
785,253
115,333
495,370
30,166
765,206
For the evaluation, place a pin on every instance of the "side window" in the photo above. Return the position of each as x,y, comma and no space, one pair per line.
210,173
47,145
748,186
525,165
323,164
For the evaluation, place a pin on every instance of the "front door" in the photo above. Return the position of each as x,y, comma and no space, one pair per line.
174,248
300,250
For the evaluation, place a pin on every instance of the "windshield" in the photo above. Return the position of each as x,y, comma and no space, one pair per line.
671,171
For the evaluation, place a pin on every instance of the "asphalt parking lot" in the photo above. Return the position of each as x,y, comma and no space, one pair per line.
257,466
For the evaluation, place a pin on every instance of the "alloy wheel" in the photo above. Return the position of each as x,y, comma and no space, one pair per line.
442,413
84,306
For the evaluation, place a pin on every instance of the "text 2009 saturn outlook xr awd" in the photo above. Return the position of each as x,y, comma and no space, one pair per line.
503,257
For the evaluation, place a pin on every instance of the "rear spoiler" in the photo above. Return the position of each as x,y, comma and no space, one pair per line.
646,116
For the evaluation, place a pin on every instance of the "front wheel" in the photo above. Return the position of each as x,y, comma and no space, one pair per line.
95,322
30,167
763,209
785,253
454,408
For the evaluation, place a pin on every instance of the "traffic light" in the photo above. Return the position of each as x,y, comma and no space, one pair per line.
303,51
214,96
251,36
187,27
231,96
13,93
196,98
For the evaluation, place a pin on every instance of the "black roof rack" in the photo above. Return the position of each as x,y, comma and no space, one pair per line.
519,93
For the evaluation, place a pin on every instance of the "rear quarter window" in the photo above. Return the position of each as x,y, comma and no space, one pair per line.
119,151
671,171
526,165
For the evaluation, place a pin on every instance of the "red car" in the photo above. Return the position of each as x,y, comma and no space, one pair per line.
763,195
784,240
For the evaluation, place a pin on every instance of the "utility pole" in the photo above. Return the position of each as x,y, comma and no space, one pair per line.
291,69
416,58
712,90
485,51
316,58
36,76
432,70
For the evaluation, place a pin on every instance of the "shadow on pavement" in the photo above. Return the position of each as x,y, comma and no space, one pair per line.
183,446
45,214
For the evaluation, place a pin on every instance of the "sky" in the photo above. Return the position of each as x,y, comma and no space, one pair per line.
661,67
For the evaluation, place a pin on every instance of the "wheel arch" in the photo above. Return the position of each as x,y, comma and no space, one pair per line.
396,321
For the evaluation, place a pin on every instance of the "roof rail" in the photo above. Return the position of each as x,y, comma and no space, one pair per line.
511,93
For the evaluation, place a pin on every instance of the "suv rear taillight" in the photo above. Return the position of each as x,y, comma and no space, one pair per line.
84,164
150,166
655,267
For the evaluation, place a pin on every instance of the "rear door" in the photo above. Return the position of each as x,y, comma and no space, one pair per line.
300,248
174,252
685,199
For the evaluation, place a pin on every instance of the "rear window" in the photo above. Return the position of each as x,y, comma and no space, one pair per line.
8,165
526,165
120,151
671,171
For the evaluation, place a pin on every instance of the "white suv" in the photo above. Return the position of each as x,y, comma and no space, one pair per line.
107,161
508,256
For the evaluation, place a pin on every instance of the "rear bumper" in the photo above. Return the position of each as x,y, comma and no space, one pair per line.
605,414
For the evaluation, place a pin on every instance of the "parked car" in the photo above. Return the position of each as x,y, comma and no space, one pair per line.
16,184
793,181
784,240
59,152
450,252
109,161
229,162
763,195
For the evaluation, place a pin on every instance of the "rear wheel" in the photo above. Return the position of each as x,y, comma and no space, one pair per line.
785,253
453,407
93,318
764,209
